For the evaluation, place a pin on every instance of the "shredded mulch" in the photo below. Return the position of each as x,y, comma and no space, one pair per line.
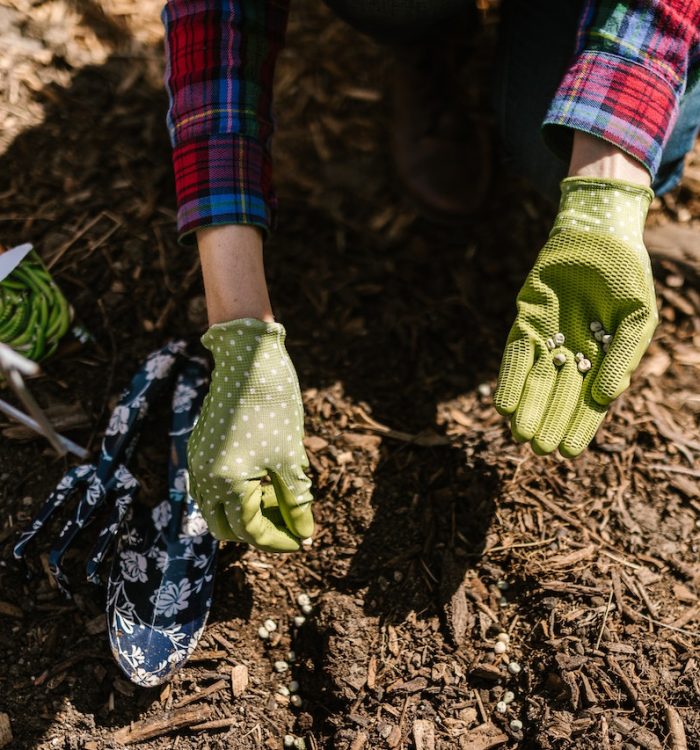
436,532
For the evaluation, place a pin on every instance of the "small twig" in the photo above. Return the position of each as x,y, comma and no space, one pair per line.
676,470
605,619
215,724
484,715
155,727
219,685
626,683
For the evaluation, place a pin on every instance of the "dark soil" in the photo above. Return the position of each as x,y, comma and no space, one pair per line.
433,536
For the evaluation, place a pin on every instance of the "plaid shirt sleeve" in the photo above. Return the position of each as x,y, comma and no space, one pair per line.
220,62
634,60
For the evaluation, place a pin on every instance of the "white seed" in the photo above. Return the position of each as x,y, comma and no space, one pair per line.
599,335
303,599
501,707
283,690
281,666
550,344
263,633
293,686
270,626
559,339
508,696
484,389
516,725
559,358
289,740
579,356
308,542
503,585
607,338
296,700
514,667
299,743
504,637
291,655
596,326
299,620
500,647
307,609
584,365
503,602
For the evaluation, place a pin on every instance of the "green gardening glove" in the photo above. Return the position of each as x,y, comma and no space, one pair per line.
246,454
586,315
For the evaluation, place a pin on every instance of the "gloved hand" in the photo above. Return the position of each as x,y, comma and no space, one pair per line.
251,429
591,283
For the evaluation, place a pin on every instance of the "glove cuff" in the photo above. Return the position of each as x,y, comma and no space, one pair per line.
613,208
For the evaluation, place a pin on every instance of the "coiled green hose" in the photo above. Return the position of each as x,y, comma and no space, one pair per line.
34,314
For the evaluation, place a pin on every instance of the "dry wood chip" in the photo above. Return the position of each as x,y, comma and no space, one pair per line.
372,672
424,734
12,610
483,737
159,725
359,741
410,686
5,730
643,737
315,443
486,672
572,558
239,680
676,729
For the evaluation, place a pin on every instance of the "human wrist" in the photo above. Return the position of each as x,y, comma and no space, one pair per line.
234,273
595,157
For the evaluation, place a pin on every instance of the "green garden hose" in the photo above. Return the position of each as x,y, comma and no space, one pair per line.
34,314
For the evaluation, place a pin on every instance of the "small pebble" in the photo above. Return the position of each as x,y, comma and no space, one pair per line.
299,743
500,647
281,666
503,602
514,667
289,740
559,339
504,637
559,358
295,700
291,655
579,356
501,707
596,326
307,609
550,344
303,600
516,725
283,690
299,620
263,633
503,585
270,626
293,686
606,339
508,696
484,389
308,542
584,365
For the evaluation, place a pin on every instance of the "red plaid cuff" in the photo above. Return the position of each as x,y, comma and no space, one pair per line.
615,99
222,179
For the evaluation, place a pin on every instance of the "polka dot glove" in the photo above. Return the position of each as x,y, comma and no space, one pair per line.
586,315
246,454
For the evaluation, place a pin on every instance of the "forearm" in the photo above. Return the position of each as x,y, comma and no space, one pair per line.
595,157
234,273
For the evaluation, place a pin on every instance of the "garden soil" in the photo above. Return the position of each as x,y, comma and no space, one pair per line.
436,531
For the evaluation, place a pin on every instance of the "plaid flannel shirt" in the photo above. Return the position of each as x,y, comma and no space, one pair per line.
634,60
